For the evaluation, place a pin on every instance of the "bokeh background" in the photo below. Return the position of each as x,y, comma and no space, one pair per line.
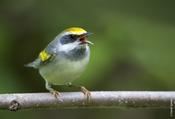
134,50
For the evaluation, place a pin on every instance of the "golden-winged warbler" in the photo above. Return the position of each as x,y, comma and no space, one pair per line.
64,59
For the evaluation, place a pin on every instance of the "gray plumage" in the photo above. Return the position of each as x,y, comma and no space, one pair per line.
68,54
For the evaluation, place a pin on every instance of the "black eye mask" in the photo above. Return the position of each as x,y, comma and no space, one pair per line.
68,39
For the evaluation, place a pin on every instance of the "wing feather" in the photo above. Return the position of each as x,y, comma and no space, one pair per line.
44,56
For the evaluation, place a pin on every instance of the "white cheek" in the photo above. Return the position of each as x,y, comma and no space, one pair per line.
68,47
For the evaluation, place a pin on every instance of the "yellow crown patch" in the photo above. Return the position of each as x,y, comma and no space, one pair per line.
76,30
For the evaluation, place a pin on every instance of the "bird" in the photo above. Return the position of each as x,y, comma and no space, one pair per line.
64,59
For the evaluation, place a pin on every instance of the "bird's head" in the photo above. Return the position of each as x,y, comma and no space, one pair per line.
74,37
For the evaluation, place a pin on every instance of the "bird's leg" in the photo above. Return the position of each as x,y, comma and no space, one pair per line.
86,92
83,90
55,93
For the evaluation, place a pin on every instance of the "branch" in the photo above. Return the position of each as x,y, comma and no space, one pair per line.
103,99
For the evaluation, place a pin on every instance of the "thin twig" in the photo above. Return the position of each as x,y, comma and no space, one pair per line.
100,99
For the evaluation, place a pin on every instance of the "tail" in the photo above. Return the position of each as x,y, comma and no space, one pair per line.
35,64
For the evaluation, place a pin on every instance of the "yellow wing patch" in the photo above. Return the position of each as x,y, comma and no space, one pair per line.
76,30
44,56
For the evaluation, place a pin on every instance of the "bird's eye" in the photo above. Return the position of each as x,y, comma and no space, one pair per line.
68,39
72,36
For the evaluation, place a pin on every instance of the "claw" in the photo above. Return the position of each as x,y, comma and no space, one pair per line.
86,93
55,93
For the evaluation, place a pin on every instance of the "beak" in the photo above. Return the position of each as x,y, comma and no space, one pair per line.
89,42
86,35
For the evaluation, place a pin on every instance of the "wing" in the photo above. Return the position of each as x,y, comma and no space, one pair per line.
50,51
43,58
46,55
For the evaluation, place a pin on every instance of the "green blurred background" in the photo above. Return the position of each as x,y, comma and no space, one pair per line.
134,49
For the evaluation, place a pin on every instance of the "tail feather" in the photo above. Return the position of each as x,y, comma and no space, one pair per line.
35,64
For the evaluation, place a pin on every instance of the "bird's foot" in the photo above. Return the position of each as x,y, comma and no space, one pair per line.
55,93
86,92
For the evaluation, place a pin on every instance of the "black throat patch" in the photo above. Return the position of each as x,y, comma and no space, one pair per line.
76,54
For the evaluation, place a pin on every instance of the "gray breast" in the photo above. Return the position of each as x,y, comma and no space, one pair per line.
66,67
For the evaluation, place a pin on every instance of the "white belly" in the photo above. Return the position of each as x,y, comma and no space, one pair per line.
63,71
